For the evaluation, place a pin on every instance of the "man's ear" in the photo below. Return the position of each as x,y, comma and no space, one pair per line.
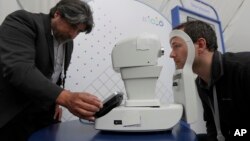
202,45
57,13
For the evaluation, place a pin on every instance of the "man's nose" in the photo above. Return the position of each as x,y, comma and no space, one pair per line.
172,54
73,34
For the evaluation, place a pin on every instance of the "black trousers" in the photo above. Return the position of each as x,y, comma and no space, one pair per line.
27,122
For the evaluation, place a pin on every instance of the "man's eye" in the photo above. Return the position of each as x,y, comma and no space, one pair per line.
74,26
176,46
80,31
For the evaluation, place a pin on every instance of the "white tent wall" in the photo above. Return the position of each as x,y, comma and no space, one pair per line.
226,10
234,20
6,7
37,6
233,16
237,32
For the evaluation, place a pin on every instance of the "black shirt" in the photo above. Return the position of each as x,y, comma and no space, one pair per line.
230,74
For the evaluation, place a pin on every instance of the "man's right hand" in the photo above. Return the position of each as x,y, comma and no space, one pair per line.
80,104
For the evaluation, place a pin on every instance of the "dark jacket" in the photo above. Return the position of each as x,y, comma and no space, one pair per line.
230,73
26,65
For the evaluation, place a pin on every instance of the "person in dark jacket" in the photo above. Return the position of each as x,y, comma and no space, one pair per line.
223,81
35,52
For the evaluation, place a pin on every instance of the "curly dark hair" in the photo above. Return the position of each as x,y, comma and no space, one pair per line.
75,12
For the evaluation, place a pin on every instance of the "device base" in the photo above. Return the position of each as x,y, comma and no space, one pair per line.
140,119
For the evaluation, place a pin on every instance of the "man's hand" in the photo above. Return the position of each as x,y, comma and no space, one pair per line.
58,113
81,104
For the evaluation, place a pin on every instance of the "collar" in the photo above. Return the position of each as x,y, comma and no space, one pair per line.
216,71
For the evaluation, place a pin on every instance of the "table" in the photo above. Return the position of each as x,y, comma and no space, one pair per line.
77,131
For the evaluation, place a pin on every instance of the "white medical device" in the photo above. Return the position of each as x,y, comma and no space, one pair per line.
136,60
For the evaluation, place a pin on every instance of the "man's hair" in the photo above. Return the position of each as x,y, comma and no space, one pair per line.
198,29
75,12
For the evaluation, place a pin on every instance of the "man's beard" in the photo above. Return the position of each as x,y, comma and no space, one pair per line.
62,38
